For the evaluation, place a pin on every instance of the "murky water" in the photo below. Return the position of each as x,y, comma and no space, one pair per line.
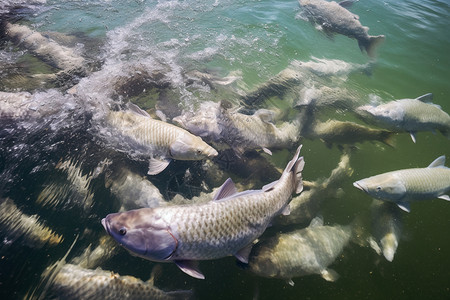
146,52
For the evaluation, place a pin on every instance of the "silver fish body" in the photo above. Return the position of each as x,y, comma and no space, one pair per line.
302,252
160,140
225,226
334,18
404,186
240,131
409,115
386,228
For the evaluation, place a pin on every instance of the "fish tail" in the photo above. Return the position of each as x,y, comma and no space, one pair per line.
296,166
370,44
389,139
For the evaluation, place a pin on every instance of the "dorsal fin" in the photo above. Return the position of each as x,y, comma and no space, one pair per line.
137,110
438,162
426,98
265,115
316,222
227,189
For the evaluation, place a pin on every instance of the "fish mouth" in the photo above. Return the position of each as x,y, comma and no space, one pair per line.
358,185
105,225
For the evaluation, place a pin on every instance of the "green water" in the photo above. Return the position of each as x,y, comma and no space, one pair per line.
258,39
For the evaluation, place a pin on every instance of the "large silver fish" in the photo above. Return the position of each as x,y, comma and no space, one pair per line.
334,18
162,141
240,131
302,252
404,186
409,115
225,226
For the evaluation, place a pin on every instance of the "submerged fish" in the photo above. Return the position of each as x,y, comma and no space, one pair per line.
340,133
75,282
134,191
404,186
409,115
302,252
304,207
14,224
227,225
162,140
386,228
334,18
240,131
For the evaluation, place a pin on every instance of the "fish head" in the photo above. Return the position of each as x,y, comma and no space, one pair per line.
204,123
385,187
391,113
141,233
191,147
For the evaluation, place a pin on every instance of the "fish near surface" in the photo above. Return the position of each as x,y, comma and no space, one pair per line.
240,131
162,140
409,115
301,252
334,18
225,226
404,186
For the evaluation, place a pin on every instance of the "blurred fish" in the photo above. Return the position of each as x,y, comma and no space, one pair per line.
228,225
162,141
344,133
240,131
404,186
134,191
75,282
307,205
302,252
73,191
17,225
386,228
69,281
409,115
334,18
302,76
325,96
91,259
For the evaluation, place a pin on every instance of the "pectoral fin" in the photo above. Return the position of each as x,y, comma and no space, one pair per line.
444,197
156,166
329,275
404,206
243,254
190,267
413,136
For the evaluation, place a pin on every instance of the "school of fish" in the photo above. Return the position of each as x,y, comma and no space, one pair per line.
269,219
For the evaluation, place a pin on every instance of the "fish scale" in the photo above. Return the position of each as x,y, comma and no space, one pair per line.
425,180
225,226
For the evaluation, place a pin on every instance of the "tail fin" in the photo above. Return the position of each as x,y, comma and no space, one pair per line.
296,165
371,44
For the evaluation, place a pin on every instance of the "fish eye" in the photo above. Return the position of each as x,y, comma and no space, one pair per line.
122,231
